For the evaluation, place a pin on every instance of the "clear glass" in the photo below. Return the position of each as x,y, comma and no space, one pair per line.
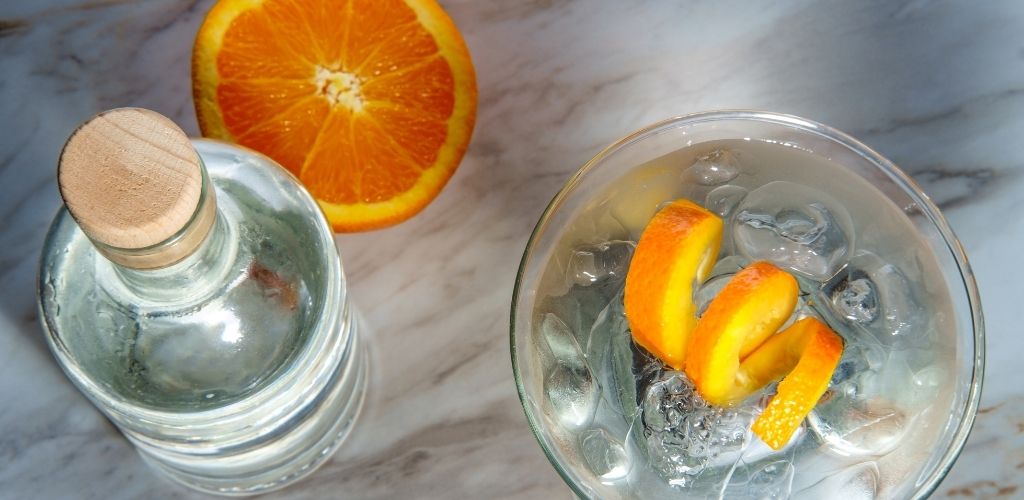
889,276
236,370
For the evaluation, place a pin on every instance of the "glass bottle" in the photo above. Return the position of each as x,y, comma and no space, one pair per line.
192,290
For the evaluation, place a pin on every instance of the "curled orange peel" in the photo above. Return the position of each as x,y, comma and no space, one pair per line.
751,307
809,352
733,350
676,252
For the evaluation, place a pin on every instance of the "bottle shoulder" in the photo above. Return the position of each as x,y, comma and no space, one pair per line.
264,215
275,280
239,172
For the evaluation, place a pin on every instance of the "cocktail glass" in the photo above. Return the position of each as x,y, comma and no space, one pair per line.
874,258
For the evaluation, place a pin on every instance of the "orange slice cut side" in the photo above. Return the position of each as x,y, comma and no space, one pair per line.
370,103
812,350
676,250
751,307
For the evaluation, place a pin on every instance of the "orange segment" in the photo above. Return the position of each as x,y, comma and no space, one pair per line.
676,250
752,306
815,350
370,103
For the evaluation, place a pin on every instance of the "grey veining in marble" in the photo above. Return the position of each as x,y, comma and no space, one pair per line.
937,86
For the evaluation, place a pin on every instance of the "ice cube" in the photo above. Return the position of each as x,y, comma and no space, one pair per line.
598,225
723,200
795,227
852,483
863,412
873,396
684,435
572,395
666,400
569,385
609,351
560,341
874,296
909,388
609,327
596,263
771,481
853,427
714,168
604,454
856,300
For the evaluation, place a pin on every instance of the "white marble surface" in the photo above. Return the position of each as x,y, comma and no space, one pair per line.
937,86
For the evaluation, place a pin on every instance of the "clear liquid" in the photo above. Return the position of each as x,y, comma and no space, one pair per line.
237,370
191,354
860,266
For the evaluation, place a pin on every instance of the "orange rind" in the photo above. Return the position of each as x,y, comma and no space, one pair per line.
751,307
676,251
732,351
809,351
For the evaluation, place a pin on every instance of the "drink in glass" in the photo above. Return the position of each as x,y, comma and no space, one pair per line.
873,258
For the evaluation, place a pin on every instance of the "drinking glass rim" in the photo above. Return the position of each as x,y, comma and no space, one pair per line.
908,185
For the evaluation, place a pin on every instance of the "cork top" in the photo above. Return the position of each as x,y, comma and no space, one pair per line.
132,180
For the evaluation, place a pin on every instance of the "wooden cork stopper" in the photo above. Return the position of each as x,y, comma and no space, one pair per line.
133,182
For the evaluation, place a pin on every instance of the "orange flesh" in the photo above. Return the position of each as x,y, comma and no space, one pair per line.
370,103
676,250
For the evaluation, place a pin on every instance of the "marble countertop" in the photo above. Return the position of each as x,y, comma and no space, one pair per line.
937,86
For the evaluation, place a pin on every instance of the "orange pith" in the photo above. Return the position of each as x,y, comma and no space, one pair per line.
751,307
370,103
676,250
815,350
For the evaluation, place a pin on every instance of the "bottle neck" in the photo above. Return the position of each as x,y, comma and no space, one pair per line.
178,246
191,264
197,275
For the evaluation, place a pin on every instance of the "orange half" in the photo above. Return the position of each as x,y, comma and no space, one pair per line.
370,103
676,251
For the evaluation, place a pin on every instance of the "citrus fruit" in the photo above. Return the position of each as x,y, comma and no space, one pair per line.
751,307
370,103
811,350
676,250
